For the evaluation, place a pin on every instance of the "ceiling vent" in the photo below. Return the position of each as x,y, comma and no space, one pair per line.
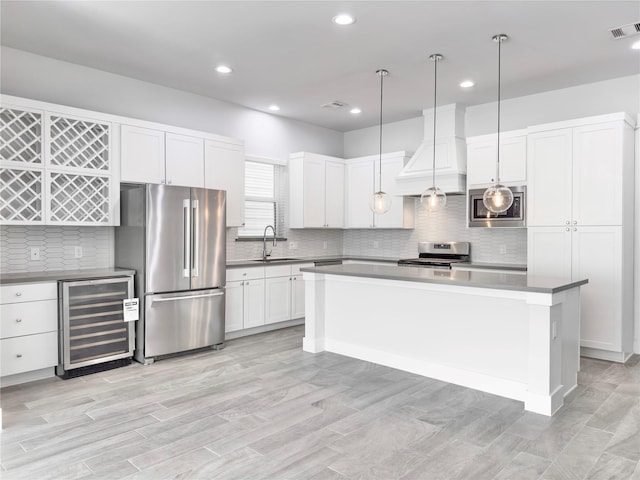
335,105
625,31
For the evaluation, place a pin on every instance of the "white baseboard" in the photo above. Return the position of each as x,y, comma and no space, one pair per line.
620,357
19,378
263,328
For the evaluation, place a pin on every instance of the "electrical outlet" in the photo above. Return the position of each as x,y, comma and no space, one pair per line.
503,249
293,245
78,252
35,253
324,245
376,244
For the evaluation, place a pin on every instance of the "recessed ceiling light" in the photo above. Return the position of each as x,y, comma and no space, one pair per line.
344,19
355,111
274,108
636,46
223,69
467,84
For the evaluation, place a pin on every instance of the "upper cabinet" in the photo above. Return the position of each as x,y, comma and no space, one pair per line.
316,191
205,161
362,179
58,165
482,156
580,175
224,170
156,156
141,155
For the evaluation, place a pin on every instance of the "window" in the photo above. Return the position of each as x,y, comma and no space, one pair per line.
260,201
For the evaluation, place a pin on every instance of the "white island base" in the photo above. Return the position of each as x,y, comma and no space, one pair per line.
516,343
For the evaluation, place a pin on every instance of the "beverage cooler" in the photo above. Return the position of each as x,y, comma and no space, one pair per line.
93,333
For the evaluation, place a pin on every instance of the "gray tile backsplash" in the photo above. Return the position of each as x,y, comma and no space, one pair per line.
498,245
57,248
57,243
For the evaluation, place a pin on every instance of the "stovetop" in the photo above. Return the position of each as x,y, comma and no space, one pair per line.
440,254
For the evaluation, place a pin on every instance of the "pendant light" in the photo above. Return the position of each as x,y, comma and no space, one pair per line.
433,197
381,201
498,198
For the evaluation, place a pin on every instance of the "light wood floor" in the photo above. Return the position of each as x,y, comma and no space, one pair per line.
263,409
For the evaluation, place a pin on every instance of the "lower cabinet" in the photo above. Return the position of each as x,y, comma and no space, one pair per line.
595,253
284,293
28,330
257,296
244,298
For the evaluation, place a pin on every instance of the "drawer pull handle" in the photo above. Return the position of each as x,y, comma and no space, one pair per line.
18,294
19,355
18,320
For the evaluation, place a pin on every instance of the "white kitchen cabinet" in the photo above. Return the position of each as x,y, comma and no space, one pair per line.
141,155
580,222
184,160
244,298
278,298
576,175
481,159
358,191
224,170
316,191
57,165
362,179
297,296
28,332
159,157
284,292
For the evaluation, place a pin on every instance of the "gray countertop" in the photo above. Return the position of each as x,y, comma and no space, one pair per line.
517,267
285,261
55,275
477,279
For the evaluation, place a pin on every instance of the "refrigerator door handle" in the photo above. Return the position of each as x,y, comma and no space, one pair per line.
186,297
186,240
195,238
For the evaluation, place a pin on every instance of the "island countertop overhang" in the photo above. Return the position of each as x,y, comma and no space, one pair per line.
476,279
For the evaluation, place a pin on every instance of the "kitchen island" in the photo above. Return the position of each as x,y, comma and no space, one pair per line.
511,335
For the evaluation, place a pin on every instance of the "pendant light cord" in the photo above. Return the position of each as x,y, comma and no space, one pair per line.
380,159
435,88
499,82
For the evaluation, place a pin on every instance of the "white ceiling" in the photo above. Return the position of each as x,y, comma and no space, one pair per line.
290,53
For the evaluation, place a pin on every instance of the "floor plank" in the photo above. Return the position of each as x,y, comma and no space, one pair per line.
262,409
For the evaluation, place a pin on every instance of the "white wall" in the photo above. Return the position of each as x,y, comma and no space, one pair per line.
404,135
610,96
27,75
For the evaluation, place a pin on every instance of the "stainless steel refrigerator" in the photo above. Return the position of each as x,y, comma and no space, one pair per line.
175,238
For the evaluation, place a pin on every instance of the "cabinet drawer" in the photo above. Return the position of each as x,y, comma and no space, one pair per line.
31,352
277,271
28,292
17,319
248,273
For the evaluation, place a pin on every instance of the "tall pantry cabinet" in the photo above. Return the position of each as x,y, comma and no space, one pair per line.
580,222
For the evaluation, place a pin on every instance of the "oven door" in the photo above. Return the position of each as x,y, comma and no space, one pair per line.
479,216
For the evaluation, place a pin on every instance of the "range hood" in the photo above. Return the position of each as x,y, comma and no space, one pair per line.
451,156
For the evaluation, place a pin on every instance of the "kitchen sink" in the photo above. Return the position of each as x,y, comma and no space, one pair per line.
276,260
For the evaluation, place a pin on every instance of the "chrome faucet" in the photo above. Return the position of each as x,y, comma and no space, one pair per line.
265,254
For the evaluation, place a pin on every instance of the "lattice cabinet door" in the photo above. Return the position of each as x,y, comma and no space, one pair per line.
21,136
21,173
78,144
79,199
21,196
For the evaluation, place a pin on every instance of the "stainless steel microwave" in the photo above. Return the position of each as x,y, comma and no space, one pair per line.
479,216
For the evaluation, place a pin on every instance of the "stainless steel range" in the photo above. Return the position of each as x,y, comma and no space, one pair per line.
438,255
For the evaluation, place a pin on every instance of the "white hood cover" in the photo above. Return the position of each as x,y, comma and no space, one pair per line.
451,155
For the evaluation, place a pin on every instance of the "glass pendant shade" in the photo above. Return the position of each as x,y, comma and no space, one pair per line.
380,203
433,198
497,198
